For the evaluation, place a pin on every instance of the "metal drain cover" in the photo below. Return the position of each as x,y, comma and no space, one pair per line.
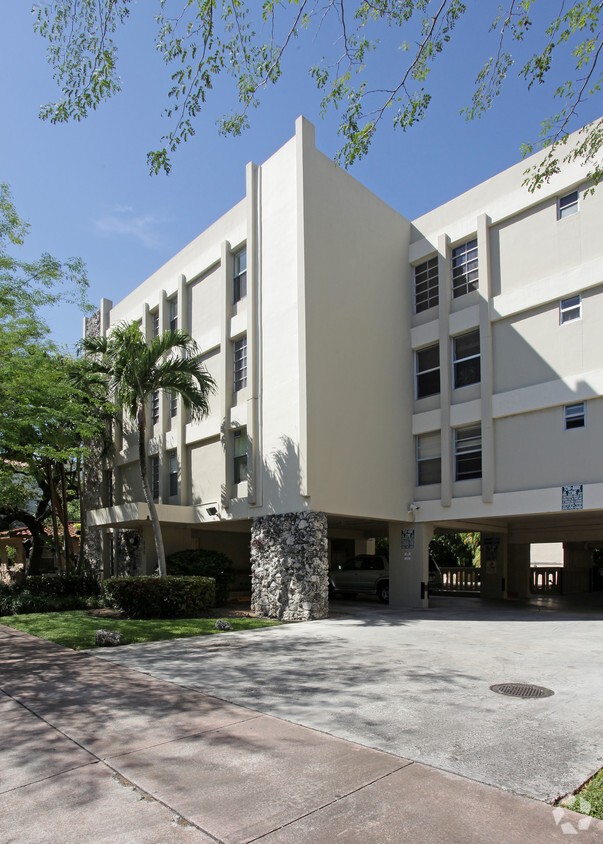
525,690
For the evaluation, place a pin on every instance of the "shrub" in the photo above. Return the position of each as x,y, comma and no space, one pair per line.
161,597
201,563
65,585
48,594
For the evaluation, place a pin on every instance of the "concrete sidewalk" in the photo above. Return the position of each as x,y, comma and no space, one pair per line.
93,751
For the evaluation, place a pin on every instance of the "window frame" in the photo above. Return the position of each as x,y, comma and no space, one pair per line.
577,419
155,477
469,433
464,277
239,461
155,324
461,363
173,313
421,461
568,205
155,407
421,375
568,306
430,296
239,276
173,404
172,459
239,363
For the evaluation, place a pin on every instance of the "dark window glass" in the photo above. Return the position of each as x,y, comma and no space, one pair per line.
428,371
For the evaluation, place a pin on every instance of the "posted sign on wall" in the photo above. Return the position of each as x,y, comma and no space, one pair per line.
572,497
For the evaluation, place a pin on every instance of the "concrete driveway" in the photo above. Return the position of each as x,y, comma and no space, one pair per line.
416,684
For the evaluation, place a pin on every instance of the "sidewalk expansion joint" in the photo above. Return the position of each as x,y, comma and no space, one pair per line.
177,818
52,776
337,799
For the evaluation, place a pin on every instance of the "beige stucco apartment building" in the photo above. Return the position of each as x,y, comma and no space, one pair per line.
378,376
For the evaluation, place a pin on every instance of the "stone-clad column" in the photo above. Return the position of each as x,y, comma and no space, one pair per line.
289,566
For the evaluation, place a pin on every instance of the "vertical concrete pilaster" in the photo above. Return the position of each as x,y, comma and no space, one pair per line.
445,294
409,563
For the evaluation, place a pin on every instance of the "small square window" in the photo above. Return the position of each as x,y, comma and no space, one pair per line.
567,205
466,359
427,362
570,309
239,275
426,285
574,415
240,455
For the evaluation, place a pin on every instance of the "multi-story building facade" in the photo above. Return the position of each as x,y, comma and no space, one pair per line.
391,376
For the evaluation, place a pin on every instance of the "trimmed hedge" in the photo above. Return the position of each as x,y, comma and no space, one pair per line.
201,563
78,585
161,597
48,594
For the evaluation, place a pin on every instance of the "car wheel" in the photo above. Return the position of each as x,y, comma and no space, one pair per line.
383,593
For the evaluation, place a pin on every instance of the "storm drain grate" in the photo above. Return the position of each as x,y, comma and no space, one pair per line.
526,690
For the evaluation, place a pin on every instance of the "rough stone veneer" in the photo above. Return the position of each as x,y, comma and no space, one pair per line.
289,566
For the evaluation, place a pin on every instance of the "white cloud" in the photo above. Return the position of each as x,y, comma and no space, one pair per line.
122,221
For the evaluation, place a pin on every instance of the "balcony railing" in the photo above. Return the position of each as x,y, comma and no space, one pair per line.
459,579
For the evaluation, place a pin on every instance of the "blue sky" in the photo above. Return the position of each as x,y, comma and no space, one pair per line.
86,190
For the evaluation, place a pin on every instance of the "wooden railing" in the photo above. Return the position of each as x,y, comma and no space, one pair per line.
546,580
459,579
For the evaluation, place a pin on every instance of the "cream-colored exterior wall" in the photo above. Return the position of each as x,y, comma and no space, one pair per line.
357,336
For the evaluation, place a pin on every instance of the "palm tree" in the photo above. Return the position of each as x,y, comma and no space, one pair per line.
133,370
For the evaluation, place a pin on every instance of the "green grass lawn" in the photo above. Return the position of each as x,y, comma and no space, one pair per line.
592,791
76,629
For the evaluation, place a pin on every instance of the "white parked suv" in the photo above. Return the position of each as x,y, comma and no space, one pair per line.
362,573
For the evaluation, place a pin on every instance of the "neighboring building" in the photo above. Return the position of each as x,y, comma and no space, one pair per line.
379,377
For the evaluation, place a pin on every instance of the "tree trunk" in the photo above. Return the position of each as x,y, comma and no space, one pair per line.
81,491
142,457
68,545
53,510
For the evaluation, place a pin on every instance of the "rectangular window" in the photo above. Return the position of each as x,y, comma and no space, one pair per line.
240,363
173,404
155,408
173,472
240,455
109,487
567,205
239,275
570,309
464,268
155,478
426,285
155,324
428,371
574,415
468,452
466,359
429,459
173,310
